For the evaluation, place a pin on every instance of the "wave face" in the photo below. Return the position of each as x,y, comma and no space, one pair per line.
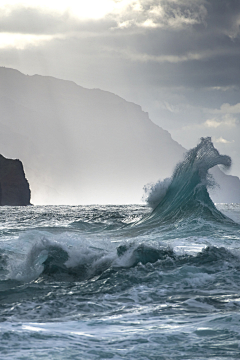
186,195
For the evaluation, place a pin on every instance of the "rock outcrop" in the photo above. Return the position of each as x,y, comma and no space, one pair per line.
14,187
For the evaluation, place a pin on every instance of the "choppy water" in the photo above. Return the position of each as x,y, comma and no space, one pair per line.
123,282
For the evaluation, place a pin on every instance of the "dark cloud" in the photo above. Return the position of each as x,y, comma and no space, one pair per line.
223,16
196,57
182,62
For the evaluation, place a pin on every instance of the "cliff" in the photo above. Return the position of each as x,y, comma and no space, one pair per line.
227,189
14,187
80,146
85,146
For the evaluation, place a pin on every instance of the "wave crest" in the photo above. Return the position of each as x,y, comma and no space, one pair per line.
185,194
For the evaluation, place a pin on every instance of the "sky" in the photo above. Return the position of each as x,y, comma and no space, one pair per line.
178,59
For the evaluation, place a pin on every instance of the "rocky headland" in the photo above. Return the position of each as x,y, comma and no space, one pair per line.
87,146
14,187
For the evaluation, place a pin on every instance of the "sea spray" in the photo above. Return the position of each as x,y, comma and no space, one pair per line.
185,195
155,192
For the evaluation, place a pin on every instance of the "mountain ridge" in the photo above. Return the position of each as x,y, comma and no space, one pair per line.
89,145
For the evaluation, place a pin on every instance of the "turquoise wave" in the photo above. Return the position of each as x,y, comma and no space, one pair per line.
187,196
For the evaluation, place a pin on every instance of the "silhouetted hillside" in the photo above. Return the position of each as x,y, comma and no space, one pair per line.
79,145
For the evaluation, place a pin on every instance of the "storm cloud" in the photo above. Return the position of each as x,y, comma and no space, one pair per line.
178,59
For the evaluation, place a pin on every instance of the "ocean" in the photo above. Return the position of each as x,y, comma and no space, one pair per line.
125,282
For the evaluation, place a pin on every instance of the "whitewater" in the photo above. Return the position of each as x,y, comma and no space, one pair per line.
158,281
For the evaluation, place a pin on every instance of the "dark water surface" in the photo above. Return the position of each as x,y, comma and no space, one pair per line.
123,282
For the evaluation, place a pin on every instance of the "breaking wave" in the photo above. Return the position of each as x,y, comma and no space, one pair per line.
182,199
55,259
185,195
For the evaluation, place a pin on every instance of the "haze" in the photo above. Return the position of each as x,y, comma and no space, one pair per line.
179,60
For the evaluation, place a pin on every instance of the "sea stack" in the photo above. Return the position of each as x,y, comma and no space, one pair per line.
14,187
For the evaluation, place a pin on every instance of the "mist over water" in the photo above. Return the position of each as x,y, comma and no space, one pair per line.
124,282
80,146
86,146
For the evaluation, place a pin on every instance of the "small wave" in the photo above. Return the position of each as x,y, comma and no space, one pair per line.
64,258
